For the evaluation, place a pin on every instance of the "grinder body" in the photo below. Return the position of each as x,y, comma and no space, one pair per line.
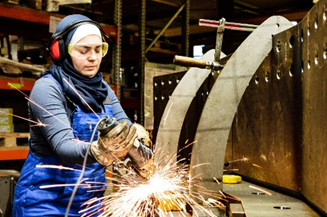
140,155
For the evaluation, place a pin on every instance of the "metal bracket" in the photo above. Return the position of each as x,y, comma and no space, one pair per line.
221,25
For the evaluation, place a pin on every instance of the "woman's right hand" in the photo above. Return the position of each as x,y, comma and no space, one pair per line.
115,144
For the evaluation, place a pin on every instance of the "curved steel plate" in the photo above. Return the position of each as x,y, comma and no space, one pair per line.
173,117
222,103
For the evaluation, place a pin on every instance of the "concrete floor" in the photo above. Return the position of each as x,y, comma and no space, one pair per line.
256,205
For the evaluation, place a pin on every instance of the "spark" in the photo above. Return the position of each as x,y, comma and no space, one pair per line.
61,185
222,193
31,101
228,163
81,98
198,165
216,180
59,167
237,160
231,170
192,143
256,165
38,123
259,189
80,141
95,185
166,190
188,145
13,86
216,202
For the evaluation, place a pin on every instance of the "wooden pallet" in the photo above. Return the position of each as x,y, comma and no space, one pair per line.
10,139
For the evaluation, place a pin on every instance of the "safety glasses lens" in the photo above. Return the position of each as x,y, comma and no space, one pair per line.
83,50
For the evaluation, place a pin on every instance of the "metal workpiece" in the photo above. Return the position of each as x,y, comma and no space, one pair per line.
280,123
266,202
220,108
264,117
179,102
313,67
267,128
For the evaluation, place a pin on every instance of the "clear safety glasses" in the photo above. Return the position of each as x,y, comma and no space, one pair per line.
85,50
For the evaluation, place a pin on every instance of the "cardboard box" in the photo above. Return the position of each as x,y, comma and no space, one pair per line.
5,111
6,116
6,128
6,119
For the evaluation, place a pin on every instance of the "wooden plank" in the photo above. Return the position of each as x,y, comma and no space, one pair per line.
16,135
10,139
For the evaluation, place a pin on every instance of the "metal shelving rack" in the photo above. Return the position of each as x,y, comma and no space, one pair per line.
184,8
32,23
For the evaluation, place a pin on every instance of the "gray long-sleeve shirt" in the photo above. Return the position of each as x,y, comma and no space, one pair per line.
49,106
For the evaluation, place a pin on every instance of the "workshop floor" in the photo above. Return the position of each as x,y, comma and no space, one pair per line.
258,205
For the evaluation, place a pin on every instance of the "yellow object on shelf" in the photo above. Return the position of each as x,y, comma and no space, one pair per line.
230,179
6,116
6,119
6,128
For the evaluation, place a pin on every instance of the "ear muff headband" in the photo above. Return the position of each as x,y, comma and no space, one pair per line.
56,44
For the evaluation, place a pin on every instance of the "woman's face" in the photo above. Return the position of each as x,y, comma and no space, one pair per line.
86,55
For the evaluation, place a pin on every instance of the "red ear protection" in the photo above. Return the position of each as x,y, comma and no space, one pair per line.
56,45
57,49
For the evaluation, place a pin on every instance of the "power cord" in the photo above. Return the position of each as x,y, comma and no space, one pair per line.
82,172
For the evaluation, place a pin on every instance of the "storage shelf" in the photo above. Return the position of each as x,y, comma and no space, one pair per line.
13,153
39,20
24,14
21,83
9,149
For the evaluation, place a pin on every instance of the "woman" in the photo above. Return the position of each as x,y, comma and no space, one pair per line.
67,102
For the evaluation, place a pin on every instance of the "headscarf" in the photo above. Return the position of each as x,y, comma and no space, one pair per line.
92,90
